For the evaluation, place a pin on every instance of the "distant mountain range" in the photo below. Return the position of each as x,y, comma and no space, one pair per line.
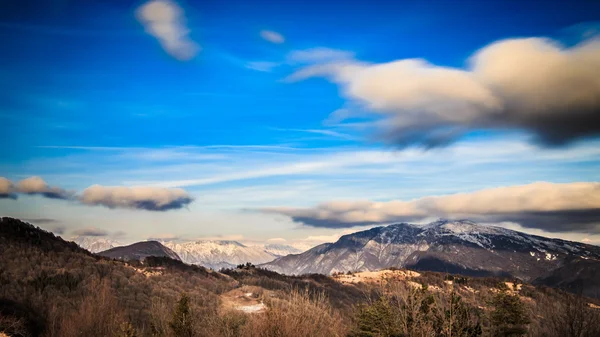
95,244
139,251
457,247
279,250
460,247
219,254
215,254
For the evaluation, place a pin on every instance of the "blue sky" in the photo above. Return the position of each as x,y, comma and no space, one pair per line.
253,105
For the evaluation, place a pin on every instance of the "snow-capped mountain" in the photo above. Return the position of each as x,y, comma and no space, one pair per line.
461,247
95,244
279,250
217,254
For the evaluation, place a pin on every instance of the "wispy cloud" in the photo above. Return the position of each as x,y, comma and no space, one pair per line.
318,55
477,157
264,66
165,20
324,132
90,231
272,36
164,237
40,221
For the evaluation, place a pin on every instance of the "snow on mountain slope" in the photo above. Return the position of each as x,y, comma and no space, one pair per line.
217,254
281,250
462,247
95,244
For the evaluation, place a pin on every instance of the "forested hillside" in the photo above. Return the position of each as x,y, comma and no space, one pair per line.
50,287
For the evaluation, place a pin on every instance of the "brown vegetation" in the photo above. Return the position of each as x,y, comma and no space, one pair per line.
51,288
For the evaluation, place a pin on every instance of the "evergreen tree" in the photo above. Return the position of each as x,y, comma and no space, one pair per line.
377,319
181,323
509,317
459,320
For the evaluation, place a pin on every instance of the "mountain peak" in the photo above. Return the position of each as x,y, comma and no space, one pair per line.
456,246
139,251
445,222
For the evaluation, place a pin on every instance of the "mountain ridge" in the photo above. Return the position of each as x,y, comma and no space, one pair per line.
454,246
218,254
214,254
140,251
95,244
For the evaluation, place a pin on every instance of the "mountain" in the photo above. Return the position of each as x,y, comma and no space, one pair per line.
460,247
23,235
217,254
95,244
139,251
279,250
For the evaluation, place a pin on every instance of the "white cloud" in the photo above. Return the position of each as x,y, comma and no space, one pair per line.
530,84
7,189
165,20
147,198
272,36
36,185
549,206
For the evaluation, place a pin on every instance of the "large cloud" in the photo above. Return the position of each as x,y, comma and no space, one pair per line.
548,206
165,20
7,189
36,185
531,84
147,198
90,231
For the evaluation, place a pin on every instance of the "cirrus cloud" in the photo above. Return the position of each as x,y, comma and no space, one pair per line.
146,198
548,206
530,84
